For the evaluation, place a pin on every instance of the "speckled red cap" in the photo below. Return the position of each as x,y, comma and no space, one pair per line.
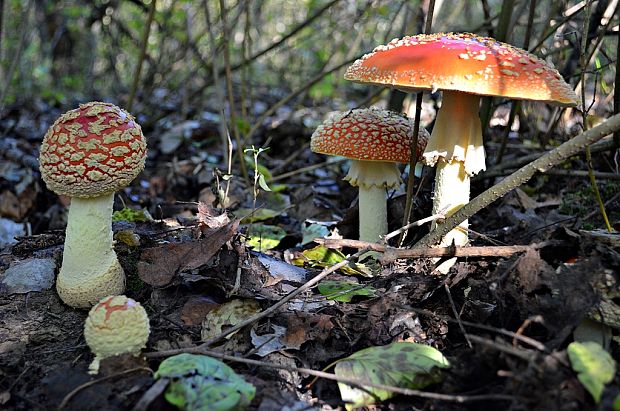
462,62
91,151
369,134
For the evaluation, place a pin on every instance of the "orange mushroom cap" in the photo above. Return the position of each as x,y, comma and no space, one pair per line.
462,62
369,134
93,150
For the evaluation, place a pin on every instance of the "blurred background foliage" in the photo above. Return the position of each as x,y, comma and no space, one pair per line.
68,51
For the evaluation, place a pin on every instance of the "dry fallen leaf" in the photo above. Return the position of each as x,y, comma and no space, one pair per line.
196,309
159,265
208,217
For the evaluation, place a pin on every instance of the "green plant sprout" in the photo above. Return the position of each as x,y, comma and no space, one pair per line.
259,177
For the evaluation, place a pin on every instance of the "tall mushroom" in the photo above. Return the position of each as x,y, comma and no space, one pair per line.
464,66
88,154
375,140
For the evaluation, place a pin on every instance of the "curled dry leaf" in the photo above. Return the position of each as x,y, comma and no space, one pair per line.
159,265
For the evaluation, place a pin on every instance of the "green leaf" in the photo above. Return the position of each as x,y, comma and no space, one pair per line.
594,366
265,236
312,231
198,382
262,183
401,364
243,125
326,257
261,169
344,291
616,404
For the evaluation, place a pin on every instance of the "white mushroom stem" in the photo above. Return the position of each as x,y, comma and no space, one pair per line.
456,147
373,178
451,193
90,270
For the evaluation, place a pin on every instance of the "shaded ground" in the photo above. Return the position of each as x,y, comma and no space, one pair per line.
518,313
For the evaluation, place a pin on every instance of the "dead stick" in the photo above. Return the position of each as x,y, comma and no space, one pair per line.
391,254
339,243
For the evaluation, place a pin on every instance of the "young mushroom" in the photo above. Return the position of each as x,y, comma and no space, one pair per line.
375,140
116,325
88,154
464,66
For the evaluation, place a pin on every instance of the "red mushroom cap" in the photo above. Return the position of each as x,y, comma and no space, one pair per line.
369,134
91,151
462,62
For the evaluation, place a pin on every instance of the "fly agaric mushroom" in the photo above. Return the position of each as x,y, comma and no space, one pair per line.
464,66
375,140
88,154
116,325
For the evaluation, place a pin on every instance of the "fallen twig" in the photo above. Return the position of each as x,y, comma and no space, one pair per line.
306,169
561,173
520,337
519,352
391,254
500,169
456,314
439,216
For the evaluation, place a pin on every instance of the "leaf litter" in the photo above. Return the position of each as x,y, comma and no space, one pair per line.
190,262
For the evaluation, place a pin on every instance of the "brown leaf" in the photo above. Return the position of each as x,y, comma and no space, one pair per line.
16,207
529,268
304,327
208,217
196,309
158,265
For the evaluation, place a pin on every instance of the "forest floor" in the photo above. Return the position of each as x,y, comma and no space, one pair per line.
502,322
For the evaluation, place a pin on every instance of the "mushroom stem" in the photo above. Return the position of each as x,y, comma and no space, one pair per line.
451,193
457,134
89,261
456,146
372,213
372,178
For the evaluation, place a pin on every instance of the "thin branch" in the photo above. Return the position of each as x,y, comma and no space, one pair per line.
583,62
143,44
392,254
456,315
604,145
560,173
259,122
290,34
229,92
18,53
413,153
306,169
